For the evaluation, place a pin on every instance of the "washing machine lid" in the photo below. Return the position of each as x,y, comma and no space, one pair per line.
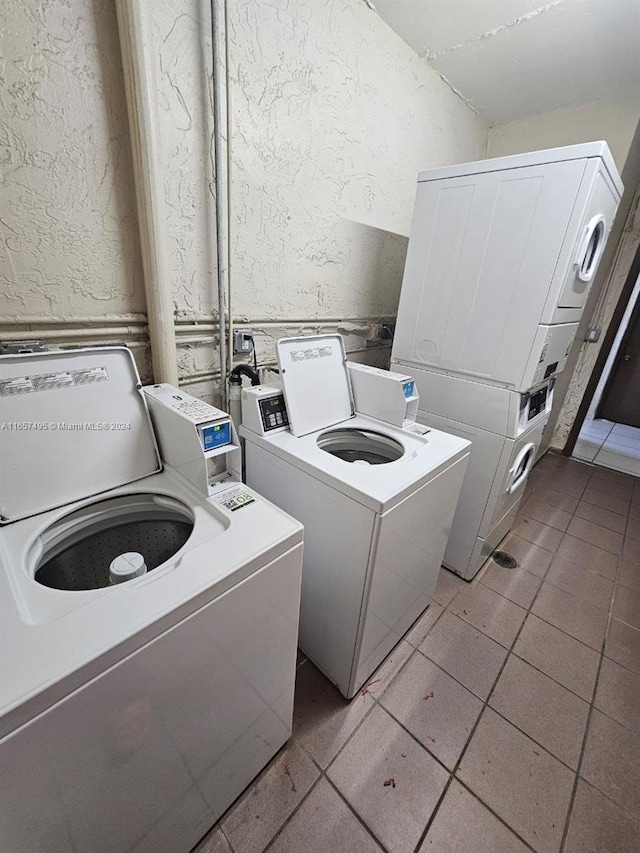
315,381
74,424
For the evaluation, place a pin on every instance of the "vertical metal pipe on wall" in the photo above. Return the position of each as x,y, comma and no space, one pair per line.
142,96
220,52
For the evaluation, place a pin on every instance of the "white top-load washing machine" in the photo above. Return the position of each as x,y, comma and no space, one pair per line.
376,501
148,616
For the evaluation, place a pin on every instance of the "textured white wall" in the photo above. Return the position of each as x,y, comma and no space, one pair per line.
612,119
69,241
333,116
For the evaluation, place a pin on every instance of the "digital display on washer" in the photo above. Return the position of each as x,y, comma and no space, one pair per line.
537,403
273,412
215,435
409,388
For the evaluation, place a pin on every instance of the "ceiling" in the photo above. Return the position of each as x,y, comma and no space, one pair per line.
514,58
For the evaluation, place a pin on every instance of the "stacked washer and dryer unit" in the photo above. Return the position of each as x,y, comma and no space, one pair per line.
134,707
501,257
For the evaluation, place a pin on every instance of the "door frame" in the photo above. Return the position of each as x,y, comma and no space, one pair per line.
603,355
632,329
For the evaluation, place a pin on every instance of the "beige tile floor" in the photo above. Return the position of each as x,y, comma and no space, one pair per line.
507,720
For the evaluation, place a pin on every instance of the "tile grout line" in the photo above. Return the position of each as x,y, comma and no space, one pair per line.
561,589
473,731
609,799
272,841
550,677
495,710
323,772
587,730
357,816
263,773
495,814
225,836
449,772
575,535
541,618
585,738
543,579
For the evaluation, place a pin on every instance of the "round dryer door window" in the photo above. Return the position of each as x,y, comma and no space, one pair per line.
76,553
361,446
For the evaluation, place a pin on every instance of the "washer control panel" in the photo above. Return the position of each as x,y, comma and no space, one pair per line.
273,412
196,439
215,435
213,426
535,403
264,410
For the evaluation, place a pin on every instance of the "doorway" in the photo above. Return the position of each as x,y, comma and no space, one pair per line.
610,434
620,401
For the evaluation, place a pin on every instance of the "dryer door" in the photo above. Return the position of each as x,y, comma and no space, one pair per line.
513,473
590,242
520,469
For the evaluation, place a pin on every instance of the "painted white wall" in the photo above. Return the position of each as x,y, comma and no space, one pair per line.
612,119
333,116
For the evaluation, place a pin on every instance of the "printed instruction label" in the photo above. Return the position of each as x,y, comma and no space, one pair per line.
47,381
19,385
198,411
311,353
89,375
52,381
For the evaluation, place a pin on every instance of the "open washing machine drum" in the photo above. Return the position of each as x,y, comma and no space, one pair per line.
76,552
78,427
360,446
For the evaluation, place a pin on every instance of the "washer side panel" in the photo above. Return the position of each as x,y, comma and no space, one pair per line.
148,755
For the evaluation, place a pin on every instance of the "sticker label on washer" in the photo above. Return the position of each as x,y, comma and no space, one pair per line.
236,499
48,381
52,381
89,375
19,385
310,353
419,429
